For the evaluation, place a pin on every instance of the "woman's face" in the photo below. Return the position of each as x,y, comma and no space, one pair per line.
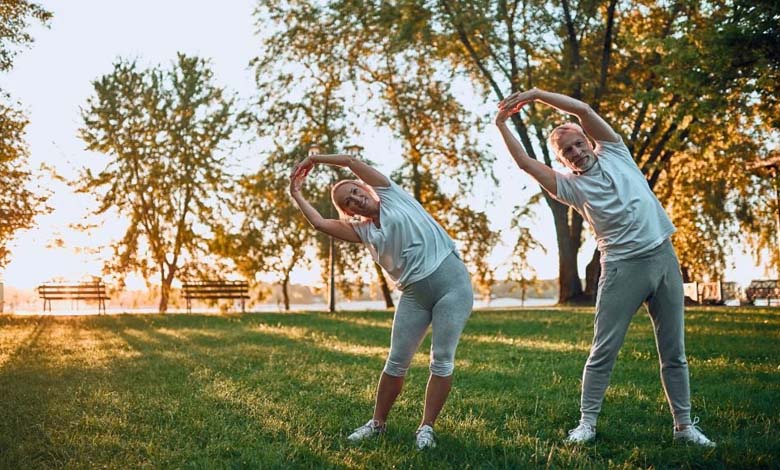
353,199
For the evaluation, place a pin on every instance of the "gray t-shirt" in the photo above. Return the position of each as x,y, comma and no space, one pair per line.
614,198
410,244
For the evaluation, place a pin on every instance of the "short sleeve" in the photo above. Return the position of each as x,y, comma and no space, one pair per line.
362,229
614,150
564,189
392,192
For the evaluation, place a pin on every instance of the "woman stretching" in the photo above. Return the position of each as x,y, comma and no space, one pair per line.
422,260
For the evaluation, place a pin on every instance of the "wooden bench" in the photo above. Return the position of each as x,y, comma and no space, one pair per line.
768,289
93,290
215,289
711,293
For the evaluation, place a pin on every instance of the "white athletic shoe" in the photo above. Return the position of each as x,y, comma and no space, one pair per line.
367,431
582,434
693,435
426,439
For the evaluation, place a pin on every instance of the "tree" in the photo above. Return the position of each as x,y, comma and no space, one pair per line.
271,237
412,97
649,69
663,75
19,204
437,134
766,237
709,130
744,46
300,83
521,272
15,18
162,131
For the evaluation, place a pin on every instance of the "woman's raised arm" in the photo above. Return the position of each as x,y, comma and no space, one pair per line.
332,227
362,170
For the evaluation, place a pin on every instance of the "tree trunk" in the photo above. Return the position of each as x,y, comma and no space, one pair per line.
592,274
385,287
285,294
332,275
686,273
165,290
568,236
568,232
416,182
163,308
522,292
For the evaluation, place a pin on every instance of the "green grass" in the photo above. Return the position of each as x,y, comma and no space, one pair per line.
283,391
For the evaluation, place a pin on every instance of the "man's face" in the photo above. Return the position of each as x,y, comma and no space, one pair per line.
575,152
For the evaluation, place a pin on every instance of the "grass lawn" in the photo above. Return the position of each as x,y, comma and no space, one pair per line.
283,391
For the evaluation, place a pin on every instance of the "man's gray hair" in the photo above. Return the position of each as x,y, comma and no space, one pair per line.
552,139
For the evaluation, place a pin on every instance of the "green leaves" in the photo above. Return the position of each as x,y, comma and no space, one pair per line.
387,52
19,202
669,77
15,17
162,132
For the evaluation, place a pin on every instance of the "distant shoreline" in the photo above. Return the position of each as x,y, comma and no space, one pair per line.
61,308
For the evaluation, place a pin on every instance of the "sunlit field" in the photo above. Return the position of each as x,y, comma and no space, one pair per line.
283,391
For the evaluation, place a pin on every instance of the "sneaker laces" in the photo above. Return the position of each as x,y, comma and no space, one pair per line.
425,437
581,428
368,429
693,426
696,433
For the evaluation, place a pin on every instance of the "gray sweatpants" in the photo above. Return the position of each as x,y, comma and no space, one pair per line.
653,278
444,300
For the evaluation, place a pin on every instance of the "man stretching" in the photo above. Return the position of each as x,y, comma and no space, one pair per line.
638,262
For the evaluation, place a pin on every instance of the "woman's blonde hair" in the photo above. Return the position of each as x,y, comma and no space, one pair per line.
343,215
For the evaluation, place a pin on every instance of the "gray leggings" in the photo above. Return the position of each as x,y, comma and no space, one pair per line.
443,299
653,278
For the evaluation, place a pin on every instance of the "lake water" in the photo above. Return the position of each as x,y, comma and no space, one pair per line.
65,308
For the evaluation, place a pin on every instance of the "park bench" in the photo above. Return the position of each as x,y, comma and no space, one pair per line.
712,293
768,289
92,290
215,289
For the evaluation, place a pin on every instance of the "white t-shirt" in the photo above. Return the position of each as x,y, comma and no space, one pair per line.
614,198
410,244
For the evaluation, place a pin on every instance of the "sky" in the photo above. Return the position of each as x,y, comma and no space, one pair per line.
52,80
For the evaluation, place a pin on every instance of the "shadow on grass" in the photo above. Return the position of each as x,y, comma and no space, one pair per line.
276,390
28,343
309,383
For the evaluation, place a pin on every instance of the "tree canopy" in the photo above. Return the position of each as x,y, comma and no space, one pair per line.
358,49
668,76
20,203
162,132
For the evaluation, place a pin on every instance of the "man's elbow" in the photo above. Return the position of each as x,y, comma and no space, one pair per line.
587,112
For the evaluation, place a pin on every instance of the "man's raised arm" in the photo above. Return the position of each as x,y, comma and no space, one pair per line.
543,174
593,124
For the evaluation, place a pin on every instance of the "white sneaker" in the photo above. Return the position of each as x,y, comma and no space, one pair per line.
693,435
426,439
583,433
367,431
